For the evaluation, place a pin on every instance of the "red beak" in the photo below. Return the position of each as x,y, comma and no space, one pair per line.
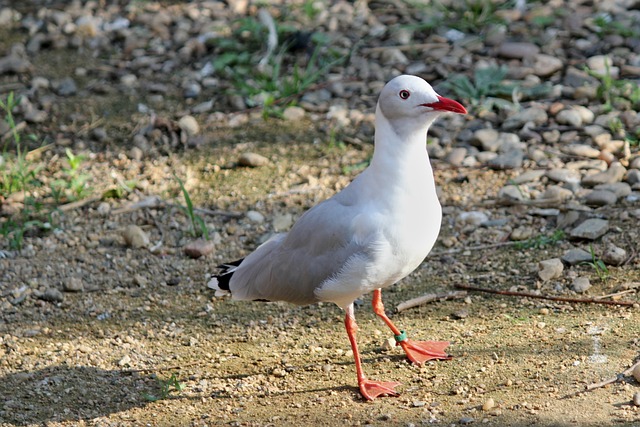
446,104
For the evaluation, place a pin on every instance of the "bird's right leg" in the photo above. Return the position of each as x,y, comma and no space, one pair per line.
369,389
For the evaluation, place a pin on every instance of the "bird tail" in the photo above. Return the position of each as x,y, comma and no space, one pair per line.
220,282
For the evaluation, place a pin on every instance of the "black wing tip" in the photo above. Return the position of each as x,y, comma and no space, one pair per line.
226,271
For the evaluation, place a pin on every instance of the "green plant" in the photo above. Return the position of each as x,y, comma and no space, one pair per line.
283,76
541,240
598,265
489,90
166,387
198,226
606,24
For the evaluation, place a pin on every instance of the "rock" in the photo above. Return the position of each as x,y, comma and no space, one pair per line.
252,160
620,189
488,405
545,65
282,222
293,113
636,395
603,65
567,219
511,193
569,117
580,284
52,295
518,50
191,90
521,233
578,78
255,216
583,150
509,160
487,139
13,64
535,115
456,156
614,255
199,248
529,176
550,269
636,374
600,198
564,175
65,87
633,176
615,173
474,218
590,229
73,284
576,256
189,125
135,237
586,114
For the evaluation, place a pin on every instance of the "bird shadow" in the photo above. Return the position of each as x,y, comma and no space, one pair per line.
71,393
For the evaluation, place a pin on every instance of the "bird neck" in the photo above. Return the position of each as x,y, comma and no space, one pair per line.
400,151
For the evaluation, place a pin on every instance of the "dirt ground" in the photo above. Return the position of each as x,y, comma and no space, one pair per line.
101,356
96,333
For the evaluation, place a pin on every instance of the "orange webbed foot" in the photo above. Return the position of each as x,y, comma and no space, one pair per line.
371,389
419,352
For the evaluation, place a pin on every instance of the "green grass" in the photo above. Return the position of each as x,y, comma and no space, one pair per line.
198,226
285,75
598,265
167,386
541,241
488,88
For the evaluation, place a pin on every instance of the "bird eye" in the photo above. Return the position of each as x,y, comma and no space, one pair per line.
404,94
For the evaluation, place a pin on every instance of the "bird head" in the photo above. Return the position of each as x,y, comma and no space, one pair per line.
410,97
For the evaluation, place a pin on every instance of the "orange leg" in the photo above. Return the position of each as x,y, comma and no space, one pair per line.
418,352
369,389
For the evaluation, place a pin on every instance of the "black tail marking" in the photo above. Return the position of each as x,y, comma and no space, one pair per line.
226,271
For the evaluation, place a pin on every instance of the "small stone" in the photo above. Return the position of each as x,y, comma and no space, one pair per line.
199,248
467,420
135,237
136,154
614,255
73,284
255,216
545,65
189,125
583,150
620,189
279,373
65,87
581,284
252,160
456,156
550,269
511,193
590,229
615,173
564,175
529,176
125,360
600,198
510,160
282,222
487,139
518,50
603,65
474,218
293,113
636,374
567,219
569,117
389,344
576,256
52,295
489,404
633,176
521,233
636,395
536,115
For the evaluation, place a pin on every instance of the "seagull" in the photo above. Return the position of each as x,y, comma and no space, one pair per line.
365,238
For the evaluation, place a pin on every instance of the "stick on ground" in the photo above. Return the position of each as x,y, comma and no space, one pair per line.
424,299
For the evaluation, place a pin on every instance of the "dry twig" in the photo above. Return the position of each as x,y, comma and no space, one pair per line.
424,299
600,384
547,297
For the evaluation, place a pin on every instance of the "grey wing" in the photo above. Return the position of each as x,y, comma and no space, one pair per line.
290,267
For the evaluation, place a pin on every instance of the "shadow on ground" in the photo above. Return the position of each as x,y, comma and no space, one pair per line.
71,393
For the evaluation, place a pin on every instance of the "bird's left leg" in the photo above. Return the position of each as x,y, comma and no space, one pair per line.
417,351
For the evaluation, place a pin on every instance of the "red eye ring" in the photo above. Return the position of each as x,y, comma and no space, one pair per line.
404,94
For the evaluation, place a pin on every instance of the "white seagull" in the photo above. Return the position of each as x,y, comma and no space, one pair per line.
366,237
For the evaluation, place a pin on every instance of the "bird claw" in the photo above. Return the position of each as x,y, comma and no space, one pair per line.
370,389
419,352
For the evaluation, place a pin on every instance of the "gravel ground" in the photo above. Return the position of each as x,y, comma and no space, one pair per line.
104,309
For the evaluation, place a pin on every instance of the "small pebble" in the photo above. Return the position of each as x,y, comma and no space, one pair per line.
135,237
550,269
636,373
199,248
489,404
252,160
73,284
636,398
